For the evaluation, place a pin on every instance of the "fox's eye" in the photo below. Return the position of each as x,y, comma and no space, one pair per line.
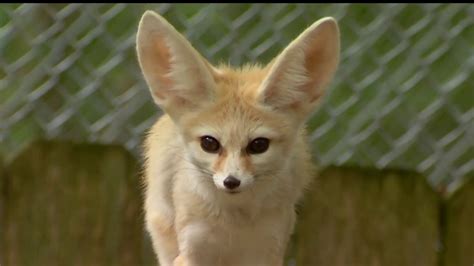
258,145
210,144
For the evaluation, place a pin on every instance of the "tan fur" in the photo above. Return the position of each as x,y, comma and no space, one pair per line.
192,218
220,161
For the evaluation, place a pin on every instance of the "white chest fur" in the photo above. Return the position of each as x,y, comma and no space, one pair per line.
228,241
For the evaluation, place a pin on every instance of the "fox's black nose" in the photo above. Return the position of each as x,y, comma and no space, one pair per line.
231,182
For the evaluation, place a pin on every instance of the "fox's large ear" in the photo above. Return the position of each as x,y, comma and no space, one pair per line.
299,75
180,79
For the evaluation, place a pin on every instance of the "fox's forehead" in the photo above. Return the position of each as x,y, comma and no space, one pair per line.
243,81
234,133
234,121
234,118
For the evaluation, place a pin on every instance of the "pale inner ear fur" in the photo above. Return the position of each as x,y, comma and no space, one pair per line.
178,76
300,74
156,64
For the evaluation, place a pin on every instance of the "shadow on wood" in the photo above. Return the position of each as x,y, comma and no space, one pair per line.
362,217
73,204
459,227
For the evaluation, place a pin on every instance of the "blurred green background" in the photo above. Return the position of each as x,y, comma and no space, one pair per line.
402,98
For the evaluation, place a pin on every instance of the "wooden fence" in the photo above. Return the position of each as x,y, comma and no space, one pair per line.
63,203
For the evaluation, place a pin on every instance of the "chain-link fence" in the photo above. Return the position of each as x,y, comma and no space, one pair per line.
402,98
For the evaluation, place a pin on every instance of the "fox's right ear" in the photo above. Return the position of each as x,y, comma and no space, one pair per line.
180,79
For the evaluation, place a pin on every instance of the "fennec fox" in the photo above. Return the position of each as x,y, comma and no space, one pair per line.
229,159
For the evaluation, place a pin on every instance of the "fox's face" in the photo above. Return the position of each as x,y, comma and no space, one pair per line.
236,143
238,126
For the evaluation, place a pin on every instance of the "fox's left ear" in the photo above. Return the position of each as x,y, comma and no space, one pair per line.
299,75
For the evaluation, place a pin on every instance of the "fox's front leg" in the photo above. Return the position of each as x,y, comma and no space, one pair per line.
196,245
276,257
277,253
180,261
163,238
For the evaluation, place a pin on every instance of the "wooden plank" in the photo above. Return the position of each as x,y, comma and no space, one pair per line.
459,227
2,205
74,204
366,217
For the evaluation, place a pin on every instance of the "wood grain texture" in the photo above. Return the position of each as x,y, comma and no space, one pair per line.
459,227
73,204
2,206
363,217
81,204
